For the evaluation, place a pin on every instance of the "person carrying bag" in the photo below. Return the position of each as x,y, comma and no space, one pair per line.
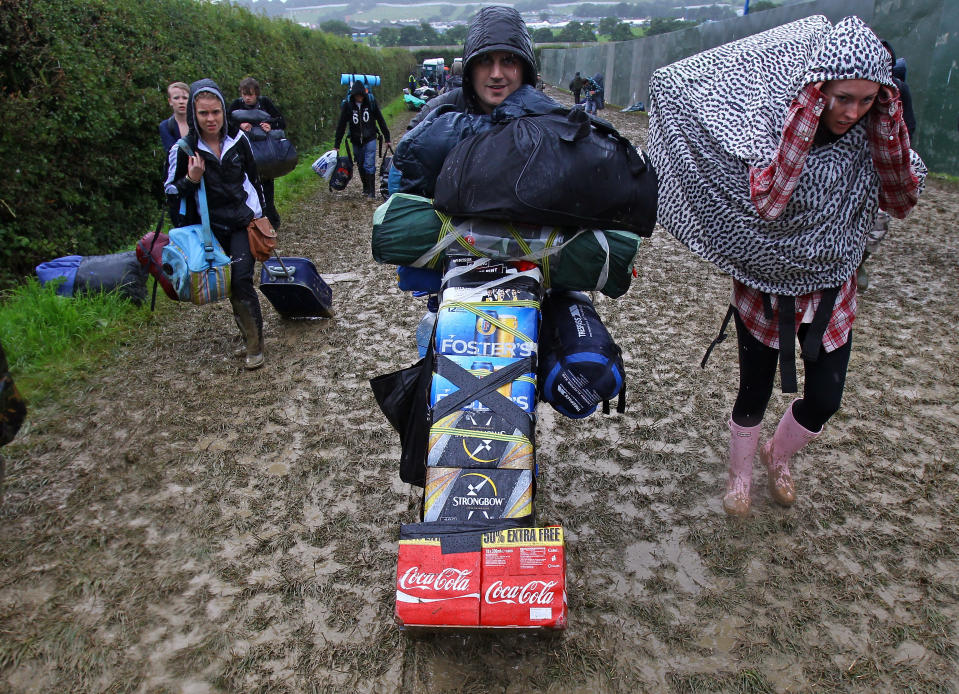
214,183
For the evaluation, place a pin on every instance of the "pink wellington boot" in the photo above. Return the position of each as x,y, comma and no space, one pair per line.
775,454
743,442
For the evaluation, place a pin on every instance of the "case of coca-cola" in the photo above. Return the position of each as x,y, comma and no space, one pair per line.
524,578
435,588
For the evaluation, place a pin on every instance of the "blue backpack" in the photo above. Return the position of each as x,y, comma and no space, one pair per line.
193,260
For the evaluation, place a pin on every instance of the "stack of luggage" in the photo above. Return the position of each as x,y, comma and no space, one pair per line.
512,328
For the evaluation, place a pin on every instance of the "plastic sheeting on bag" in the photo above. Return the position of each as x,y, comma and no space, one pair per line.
117,271
407,230
325,164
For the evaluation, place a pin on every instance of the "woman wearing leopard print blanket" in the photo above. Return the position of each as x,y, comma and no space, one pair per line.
775,154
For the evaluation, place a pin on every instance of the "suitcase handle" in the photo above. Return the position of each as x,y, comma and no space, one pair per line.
279,272
282,272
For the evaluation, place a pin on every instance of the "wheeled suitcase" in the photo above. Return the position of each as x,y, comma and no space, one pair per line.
295,288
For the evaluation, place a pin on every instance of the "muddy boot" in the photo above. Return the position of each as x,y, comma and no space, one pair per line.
775,454
743,442
240,351
368,185
252,333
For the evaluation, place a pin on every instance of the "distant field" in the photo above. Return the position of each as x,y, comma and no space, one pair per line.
387,13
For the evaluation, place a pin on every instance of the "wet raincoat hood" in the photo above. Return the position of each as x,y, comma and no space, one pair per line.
500,28
208,86
717,114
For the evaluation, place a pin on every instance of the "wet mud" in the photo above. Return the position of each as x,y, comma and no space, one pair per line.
173,523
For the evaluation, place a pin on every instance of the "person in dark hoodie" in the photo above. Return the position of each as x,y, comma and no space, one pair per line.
498,59
363,115
251,99
223,160
499,74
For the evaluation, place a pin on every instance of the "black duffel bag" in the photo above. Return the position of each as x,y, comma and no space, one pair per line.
552,169
275,155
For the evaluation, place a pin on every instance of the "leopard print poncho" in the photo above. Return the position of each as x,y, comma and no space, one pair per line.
718,113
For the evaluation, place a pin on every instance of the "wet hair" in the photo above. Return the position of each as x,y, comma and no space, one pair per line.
248,85
177,85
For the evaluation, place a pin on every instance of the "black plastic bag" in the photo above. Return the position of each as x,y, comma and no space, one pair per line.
552,169
403,396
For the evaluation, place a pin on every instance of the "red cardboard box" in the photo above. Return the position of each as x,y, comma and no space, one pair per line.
524,578
436,589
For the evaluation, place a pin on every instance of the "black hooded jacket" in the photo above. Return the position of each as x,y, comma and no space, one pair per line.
363,119
495,28
233,191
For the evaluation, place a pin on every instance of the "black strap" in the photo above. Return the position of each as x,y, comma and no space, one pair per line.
787,343
484,389
621,405
156,233
812,344
719,338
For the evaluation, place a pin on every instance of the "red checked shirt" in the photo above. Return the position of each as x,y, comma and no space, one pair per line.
771,188
749,303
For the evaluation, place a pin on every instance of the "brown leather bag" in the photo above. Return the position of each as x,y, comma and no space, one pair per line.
262,238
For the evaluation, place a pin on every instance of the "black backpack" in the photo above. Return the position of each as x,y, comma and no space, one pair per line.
579,364
343,172
553,169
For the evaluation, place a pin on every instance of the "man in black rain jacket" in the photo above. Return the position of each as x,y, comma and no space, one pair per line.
363,115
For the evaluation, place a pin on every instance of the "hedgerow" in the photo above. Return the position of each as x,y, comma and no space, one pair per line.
82,89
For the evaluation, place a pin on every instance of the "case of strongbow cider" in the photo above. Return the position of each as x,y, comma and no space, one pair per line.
492,425
455,494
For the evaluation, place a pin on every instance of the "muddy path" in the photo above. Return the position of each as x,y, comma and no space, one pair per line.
175,524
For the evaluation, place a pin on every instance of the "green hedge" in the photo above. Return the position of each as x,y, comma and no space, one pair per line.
83,89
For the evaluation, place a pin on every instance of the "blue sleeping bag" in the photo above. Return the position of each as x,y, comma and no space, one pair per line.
580,365
65,267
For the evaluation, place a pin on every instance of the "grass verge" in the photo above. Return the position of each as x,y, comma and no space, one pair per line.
50,340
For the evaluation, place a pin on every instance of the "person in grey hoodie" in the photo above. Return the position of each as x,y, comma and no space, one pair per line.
223,159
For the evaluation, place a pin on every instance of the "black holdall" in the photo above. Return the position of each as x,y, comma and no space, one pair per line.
343,172
561,169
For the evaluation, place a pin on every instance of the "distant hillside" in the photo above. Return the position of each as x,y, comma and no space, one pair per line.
370,13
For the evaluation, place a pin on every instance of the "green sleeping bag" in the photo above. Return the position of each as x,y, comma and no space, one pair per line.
407,230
